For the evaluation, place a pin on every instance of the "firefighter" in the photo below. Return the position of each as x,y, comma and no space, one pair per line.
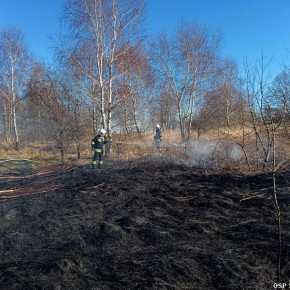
97,146
158,137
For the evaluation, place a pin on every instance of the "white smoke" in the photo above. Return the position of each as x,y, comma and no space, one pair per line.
214,153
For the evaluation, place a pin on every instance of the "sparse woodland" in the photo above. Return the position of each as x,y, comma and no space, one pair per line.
109,73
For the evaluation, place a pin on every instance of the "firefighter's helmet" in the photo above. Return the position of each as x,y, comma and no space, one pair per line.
102,132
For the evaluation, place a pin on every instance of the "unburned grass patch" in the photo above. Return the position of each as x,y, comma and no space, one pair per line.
16,166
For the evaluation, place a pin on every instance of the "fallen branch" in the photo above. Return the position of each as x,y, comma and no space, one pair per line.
8,190
255,196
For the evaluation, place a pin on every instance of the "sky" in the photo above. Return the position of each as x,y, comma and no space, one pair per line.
250,28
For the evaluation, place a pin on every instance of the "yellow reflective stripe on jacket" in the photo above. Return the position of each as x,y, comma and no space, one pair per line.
98,150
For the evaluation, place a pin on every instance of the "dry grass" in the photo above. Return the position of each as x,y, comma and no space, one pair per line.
134,148
34,156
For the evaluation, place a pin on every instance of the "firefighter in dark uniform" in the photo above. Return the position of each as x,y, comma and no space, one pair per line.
97,146
158,137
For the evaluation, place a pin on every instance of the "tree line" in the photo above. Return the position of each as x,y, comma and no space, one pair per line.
107,73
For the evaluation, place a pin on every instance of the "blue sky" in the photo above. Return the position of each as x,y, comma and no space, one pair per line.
250,27
37,19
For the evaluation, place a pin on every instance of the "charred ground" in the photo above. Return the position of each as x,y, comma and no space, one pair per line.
140,227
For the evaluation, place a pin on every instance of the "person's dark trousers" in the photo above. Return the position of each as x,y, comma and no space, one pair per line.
98,156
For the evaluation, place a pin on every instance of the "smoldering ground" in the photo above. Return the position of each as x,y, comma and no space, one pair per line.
215,153
140,226
202,153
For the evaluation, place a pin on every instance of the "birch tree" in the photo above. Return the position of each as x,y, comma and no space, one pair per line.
187,62
102,27
14,71
133,88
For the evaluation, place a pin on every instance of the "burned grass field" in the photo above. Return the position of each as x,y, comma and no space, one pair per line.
140,227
